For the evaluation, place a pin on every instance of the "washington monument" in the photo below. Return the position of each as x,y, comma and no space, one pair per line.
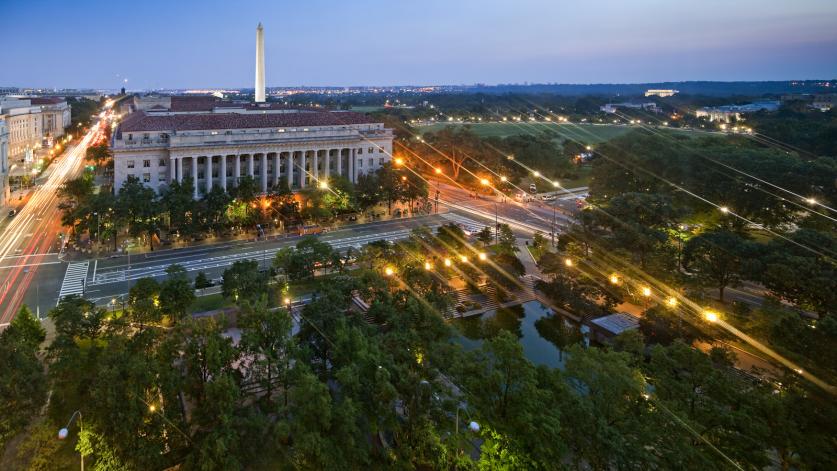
259,64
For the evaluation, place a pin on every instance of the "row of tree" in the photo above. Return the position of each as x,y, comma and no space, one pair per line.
138,211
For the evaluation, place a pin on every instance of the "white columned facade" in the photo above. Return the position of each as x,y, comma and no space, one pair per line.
237,169
328,163
263,172
353,165
340,162
276,166
172,171
289,169
195,176
179,169
208,173
302,168
315,167
250,166
224,172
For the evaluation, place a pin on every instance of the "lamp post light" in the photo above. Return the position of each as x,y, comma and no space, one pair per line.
65,432
646,294
473,426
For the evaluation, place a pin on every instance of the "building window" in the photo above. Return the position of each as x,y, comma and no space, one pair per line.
371,150
162,163
200,175
130,164
360,151
381,161
380,150
360,162
146,178
371,161
146,163
161,177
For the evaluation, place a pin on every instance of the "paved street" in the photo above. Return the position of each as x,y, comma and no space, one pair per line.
111,277
30,268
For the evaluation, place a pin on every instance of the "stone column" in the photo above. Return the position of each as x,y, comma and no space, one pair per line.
289,169
328,163
172,171
264,172
250,172
340,162
224,172
276,167
179,168
302,173
208,173
195,175
237,169
353,165
316,167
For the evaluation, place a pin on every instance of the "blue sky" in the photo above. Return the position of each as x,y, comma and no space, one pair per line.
182,43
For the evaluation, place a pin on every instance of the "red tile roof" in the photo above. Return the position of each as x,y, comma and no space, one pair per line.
140,121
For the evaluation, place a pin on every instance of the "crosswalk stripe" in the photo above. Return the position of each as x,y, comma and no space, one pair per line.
74,279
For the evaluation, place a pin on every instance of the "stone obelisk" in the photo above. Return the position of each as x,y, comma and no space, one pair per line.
259,64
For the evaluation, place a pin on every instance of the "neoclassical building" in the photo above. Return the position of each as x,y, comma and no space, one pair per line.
270,143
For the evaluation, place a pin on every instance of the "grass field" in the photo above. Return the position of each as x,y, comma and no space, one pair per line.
582,133
366,109
585,133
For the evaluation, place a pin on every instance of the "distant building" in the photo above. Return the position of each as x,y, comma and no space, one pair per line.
661,93
824,102
727,113
613,107
33,122
9,90
4,163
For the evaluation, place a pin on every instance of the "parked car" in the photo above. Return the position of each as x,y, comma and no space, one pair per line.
533,188
12,213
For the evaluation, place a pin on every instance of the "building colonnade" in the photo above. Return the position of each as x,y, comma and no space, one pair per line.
299,168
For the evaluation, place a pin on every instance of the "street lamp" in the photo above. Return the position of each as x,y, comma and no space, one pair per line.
388,271
484,182
724,209
448,262
671,302
64,432
463,258
428,266
323,185
568,262
614,279
483,256
399,161
438,171
711,316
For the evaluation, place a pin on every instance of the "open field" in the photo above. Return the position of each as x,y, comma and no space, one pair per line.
583,133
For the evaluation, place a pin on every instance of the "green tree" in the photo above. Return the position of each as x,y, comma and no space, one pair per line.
176,293
717,257
243,280
144,300
138,205
23,385
266,336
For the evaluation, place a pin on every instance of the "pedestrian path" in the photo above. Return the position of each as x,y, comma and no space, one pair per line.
74,279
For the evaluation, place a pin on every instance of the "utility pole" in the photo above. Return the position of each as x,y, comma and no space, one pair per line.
553,226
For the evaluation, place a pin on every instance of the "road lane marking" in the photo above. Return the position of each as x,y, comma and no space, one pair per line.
74,279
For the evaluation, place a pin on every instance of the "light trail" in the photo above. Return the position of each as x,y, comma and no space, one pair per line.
39,219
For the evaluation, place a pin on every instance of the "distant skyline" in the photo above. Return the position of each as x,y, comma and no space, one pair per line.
191,44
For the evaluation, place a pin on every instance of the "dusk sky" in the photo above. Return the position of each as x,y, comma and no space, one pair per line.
191,44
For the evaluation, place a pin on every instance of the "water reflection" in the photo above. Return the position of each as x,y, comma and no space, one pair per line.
542,334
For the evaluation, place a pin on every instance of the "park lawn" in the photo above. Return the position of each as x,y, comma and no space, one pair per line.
366,109
584,133
209,303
